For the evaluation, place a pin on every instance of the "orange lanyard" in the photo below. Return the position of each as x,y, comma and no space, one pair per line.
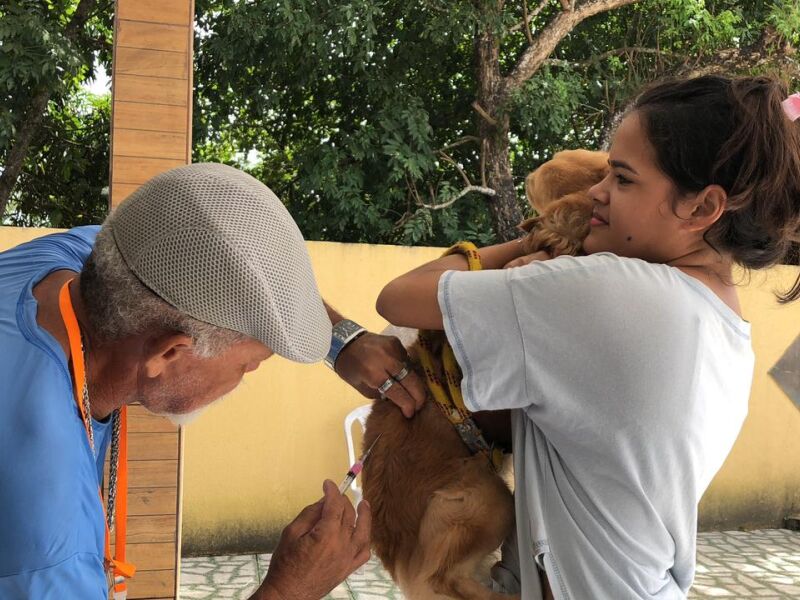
117,564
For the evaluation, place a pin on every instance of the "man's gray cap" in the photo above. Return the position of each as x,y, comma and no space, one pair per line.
219,246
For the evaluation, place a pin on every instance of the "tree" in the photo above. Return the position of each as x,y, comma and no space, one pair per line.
64,183
365,116
48,50
415,121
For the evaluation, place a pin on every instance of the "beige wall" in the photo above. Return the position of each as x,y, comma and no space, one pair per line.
253,461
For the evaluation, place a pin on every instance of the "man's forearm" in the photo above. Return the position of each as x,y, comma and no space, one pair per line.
333,314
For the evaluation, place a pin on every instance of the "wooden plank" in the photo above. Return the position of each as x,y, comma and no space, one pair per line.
127,169
152,117
148,475
136,34
151,529
152,501
120,191
177,12
152,584
142,420
152,446
152,144
151,557
152,474
151,63
154,90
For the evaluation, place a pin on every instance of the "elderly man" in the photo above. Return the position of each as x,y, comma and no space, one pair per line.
194,281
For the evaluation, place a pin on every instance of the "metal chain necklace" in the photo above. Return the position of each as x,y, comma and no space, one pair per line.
111,501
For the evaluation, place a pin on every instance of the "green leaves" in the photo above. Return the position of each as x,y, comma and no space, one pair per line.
62,184
44,54
784,15
357,113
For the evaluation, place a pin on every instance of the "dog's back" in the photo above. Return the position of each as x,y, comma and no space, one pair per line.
437,511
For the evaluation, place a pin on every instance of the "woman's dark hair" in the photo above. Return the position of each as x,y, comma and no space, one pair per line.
735,134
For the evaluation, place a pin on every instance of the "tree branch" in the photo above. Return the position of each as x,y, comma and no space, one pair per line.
470,188
557,62
547,40
30,123
483,162
526,20
460,142
449,159
485,115
16,156
528,17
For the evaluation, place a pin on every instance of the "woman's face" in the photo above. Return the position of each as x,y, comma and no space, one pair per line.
633,206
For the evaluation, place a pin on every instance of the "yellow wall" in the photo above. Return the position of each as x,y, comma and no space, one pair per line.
255,459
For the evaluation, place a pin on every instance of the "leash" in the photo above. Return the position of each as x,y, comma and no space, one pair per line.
447,395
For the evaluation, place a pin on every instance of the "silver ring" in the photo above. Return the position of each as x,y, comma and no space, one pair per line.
384,387
402,374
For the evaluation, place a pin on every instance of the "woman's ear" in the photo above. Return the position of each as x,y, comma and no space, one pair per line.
705,208
160,352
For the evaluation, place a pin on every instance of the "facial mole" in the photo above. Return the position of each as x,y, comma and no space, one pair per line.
630,237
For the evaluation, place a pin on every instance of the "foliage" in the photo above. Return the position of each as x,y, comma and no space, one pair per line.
347,104
65,185
69,153
358,112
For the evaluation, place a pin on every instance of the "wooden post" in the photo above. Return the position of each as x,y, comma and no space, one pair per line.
152,91
150,133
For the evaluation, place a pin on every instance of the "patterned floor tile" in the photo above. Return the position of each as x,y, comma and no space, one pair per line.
232,576
762,565
754,564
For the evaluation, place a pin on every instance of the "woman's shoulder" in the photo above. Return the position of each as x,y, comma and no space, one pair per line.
600,266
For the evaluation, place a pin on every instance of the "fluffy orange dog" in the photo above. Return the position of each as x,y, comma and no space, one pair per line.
438,511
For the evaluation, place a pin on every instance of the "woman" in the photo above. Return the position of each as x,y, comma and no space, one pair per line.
628,371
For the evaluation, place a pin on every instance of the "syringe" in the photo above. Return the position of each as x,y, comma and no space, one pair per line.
356,468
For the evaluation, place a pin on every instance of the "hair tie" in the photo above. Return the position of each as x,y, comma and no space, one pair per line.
791,106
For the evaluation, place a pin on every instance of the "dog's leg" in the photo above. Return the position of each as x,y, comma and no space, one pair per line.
462,524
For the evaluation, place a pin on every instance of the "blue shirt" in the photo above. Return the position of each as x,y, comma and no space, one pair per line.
51,520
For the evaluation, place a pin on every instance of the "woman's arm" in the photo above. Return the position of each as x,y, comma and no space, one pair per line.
411,299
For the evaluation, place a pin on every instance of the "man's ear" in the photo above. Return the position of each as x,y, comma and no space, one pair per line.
706,208
162,351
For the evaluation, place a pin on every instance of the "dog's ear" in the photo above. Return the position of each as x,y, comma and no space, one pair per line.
567,172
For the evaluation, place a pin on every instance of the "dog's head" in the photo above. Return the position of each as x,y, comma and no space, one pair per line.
558,190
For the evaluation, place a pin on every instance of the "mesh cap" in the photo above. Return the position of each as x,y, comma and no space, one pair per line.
219,246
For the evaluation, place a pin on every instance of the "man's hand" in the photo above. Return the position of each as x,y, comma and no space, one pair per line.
527,259
319,549
371,360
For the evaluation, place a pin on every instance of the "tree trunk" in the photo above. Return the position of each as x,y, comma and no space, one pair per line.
29,125
494,91
16,157
493,128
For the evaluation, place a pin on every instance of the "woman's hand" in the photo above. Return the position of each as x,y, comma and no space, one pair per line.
527,259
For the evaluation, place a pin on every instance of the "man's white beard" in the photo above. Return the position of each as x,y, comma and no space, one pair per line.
183,419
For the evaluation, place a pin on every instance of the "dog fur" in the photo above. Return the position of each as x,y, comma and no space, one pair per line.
438,511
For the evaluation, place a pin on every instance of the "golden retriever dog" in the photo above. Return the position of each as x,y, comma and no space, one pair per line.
438,511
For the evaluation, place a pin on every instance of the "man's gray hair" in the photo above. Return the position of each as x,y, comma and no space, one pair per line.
118,305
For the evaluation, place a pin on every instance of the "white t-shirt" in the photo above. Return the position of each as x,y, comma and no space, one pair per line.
631,382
